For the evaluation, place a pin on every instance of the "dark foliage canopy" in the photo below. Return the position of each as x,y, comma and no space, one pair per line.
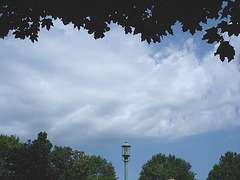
35,160
153,19
7,143
227,168
30,161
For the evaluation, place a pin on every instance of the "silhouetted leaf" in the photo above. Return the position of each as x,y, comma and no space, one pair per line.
34,37
212,35
225,50
233,29
170,31
223,26
128,29
47,23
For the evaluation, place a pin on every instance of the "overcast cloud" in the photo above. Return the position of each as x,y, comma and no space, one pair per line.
79,89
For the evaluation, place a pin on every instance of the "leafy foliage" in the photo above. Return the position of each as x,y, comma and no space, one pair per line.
62,162
6,143
31,160
228,167
69,164
35,160
153,19
163,167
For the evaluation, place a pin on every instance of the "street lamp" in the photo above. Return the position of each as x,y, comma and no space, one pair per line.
126,155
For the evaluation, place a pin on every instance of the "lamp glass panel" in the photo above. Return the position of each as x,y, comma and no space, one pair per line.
126,151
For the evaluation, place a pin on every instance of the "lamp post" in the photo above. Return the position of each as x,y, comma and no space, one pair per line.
126,155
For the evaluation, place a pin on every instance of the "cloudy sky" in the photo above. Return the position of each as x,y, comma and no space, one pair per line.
174,97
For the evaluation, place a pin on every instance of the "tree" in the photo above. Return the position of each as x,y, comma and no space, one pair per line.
100,169
35,160
31,160
62,162
6,143
228,167
153,19
69,164
161,167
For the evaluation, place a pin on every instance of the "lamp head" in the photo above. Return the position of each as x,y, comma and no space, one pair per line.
126,150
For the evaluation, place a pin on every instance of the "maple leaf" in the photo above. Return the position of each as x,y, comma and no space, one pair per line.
225,50
212,35
48,23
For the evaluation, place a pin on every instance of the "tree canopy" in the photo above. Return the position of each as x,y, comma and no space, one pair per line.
164,167
153,19
30,161
69,164
227,168
7,143
36,160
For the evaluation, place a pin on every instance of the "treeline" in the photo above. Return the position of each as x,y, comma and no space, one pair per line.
164,167
39,160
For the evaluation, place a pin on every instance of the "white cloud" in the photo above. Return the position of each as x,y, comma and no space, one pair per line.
78,89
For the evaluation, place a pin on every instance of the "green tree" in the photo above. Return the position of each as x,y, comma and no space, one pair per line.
6,143
228,167
35,160
31,160
81,165
100,168
73,164
161,167
62,162
152,19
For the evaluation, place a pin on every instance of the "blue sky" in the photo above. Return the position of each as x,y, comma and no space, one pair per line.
92,95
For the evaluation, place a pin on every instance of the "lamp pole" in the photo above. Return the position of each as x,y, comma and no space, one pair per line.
125,169
126,155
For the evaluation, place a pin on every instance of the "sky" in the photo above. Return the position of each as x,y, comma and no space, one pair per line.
93,95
